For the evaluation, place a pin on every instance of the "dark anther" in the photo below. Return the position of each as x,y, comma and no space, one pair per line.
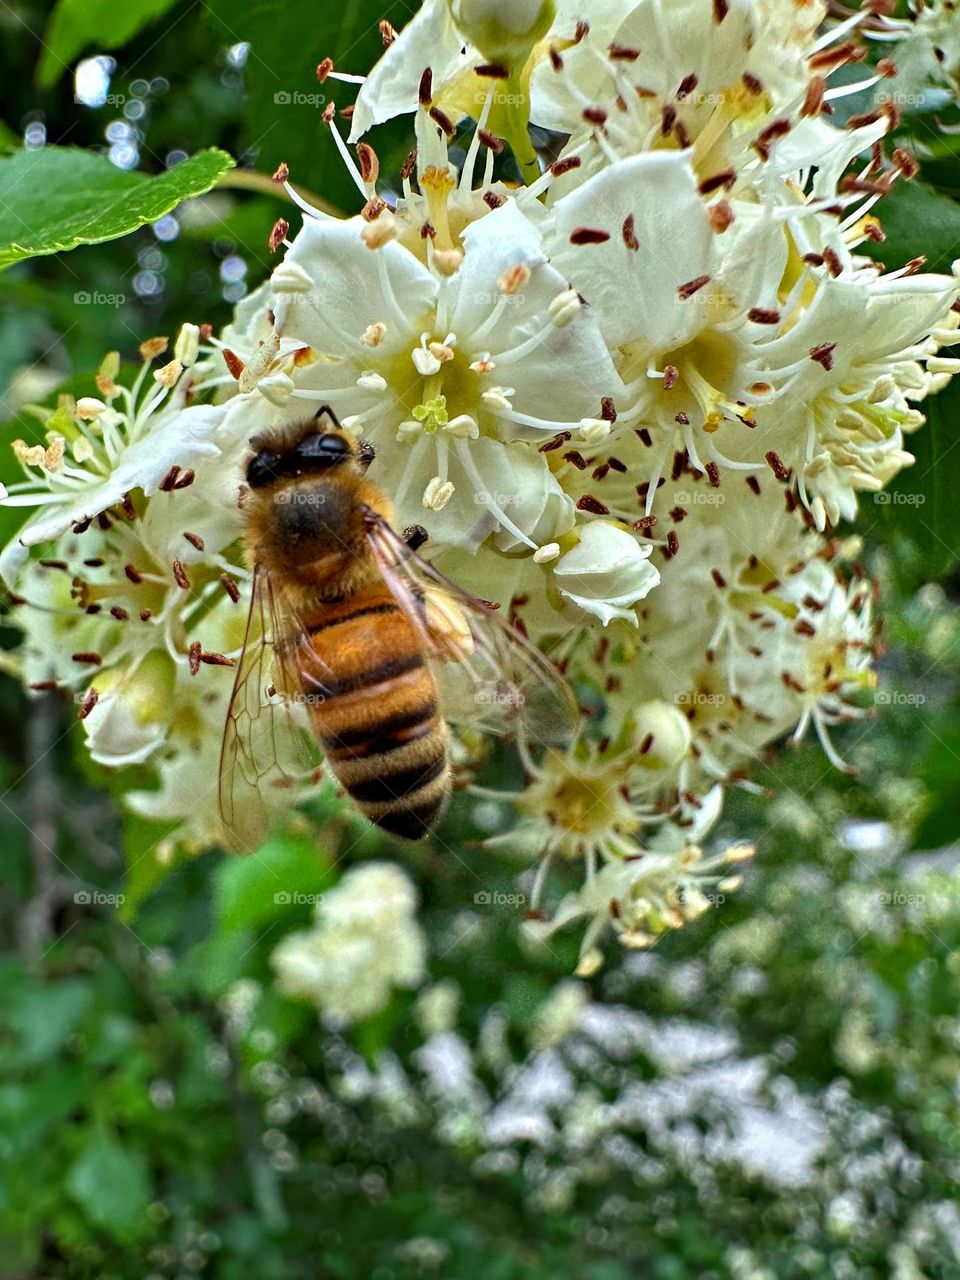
365,453
415,536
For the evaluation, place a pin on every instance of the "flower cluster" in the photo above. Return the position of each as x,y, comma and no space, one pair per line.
927,45
629,397
365,942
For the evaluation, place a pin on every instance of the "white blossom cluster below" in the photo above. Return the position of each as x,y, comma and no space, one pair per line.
629,399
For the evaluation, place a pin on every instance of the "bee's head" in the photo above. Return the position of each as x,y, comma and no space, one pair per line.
312,448
306,495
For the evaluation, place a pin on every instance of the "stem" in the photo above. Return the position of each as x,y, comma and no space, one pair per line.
513,120
35,926
251,180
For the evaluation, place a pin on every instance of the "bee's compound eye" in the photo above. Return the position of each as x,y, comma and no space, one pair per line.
263,468
317,451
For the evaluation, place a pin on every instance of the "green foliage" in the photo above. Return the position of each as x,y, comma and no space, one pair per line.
284,119
920,506
111,1185
919,222
75,24
146,1128
86,199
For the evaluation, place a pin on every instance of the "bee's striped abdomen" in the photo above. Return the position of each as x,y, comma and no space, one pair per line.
377,715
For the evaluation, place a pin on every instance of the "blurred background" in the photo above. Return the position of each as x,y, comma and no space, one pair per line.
771,1092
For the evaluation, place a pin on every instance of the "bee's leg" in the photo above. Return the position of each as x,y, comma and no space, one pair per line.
365,454
415,535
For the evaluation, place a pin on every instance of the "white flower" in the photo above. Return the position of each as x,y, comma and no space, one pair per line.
99,454
926,47
460,372
459,72
753,631
641,898
131,715
135,607
607,573
365,942
778,341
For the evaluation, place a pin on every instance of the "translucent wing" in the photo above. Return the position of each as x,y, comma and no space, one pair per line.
490,675
268,757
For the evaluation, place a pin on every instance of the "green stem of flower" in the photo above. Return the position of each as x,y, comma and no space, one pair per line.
514,119
251,180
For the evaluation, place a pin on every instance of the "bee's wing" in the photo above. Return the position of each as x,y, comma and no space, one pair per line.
490,675
268,757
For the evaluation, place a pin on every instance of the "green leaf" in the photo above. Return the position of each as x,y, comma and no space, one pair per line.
921,504
111,1184
40,1018
918,223
55,198
74,24
279,882
145,870
284,117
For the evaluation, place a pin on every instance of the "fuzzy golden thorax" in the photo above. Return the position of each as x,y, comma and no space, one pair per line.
304,510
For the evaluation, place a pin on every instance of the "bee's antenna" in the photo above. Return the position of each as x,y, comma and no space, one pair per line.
326,412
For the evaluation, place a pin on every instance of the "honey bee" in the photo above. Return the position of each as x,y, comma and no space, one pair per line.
350,624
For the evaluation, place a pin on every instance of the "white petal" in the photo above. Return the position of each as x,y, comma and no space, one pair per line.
606,573
633,293
348,293
181,438
429,40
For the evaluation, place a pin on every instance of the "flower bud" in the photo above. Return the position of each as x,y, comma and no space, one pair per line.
606,573
667,731
503,30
